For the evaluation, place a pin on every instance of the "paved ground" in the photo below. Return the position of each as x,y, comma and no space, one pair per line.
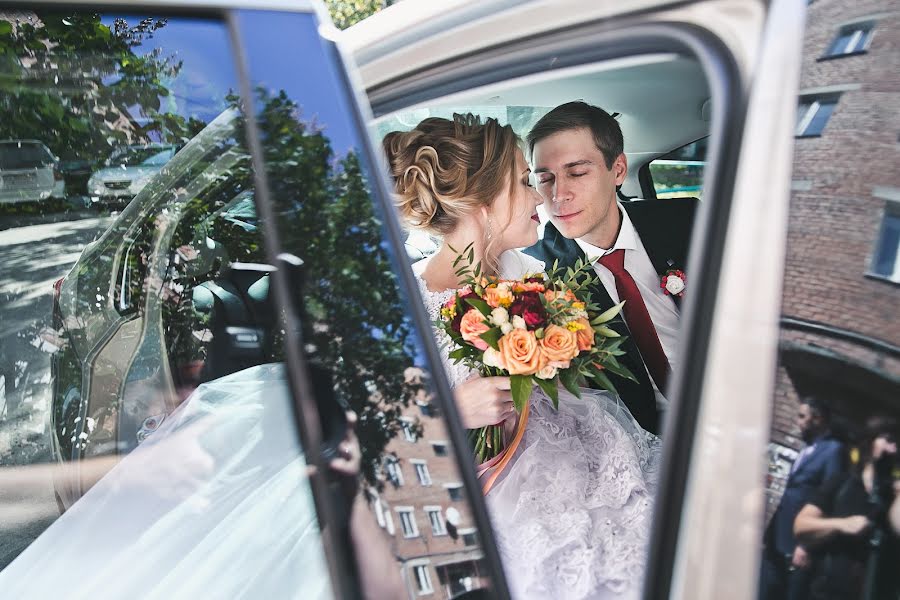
35,251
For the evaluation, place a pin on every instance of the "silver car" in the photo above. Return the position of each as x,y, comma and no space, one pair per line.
128,170
28,172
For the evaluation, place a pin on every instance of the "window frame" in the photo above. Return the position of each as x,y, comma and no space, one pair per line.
410,512
430,511
420,590
865,28
423,475
816,102
891,211
592,43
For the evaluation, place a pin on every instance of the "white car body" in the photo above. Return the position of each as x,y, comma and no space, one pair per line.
123,181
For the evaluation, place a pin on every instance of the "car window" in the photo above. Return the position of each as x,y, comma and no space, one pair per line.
142,389
680,172
364,330
150,384
838,375
24,155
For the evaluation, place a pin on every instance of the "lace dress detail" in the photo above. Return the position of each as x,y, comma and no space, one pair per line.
571,513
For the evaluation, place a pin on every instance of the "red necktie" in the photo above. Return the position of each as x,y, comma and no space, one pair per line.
638,319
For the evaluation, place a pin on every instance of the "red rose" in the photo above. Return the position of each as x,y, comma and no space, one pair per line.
529,307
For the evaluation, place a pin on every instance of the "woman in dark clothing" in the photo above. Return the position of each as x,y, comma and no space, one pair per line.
846,521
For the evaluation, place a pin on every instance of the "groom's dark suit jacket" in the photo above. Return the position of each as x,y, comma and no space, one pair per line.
664,227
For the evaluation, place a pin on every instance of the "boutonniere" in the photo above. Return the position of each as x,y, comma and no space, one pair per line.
674,282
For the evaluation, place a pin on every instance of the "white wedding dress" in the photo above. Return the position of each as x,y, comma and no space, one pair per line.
571,512
240,524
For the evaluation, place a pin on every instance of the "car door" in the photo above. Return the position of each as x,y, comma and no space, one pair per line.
176,372
519,61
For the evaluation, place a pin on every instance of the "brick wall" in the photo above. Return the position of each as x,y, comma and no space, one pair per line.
836,212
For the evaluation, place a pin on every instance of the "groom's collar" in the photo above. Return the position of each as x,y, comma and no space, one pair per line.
626,240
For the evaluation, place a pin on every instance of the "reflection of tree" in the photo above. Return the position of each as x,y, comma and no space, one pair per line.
80,84
345,13
357,325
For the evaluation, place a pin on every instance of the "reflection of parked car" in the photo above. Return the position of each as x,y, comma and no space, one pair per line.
127,171
28,172
76,173
120,336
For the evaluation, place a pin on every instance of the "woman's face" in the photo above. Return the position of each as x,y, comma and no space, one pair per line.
518,209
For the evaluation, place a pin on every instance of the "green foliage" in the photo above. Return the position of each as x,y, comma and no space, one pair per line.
345,13
79,82
356,321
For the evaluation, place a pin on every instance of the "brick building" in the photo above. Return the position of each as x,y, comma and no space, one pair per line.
840,337
422,507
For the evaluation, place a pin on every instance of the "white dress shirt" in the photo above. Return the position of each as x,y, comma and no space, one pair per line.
662,309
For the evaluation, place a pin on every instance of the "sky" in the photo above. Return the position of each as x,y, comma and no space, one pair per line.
283,50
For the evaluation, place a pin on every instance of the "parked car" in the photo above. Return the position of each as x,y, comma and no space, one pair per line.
28,172
127,171
270,237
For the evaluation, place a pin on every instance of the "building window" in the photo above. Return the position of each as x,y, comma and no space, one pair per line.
440,448
813,113
469,537
886,259
423,579
428,409
455,490
392,471
851,39
408,430
422,471
436,519
408,522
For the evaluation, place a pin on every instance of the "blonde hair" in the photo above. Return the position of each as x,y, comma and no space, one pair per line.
446,169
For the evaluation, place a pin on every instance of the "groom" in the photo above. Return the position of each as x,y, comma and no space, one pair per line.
635,246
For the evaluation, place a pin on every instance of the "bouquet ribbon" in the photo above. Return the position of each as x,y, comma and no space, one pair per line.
500,461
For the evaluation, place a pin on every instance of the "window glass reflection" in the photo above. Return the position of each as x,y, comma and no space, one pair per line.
141,383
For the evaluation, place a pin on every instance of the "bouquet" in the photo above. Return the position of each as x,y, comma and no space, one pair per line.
539,330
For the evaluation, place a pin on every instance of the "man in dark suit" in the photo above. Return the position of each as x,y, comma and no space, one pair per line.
785,569
638,248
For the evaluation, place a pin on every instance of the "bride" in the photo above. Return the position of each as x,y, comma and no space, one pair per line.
571,512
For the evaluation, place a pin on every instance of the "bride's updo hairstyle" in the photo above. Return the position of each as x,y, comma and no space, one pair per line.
446,169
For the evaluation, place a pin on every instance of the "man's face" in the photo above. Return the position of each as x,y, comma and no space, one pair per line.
580,191
809,423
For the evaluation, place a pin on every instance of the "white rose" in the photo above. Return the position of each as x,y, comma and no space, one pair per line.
506,328
499,316
674,284
518,322
548,372
492,358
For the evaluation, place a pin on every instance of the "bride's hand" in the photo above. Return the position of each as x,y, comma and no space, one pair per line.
483,401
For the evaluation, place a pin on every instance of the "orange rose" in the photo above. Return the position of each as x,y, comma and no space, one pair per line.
471,326
559,344
498,296
585,335
521,353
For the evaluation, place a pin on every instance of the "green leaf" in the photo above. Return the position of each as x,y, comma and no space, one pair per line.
492,337
569,379
458,354
520,386
607,315
481,305
607,332
601,378
550,388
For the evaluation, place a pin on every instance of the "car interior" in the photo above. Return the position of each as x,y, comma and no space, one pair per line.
661,101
